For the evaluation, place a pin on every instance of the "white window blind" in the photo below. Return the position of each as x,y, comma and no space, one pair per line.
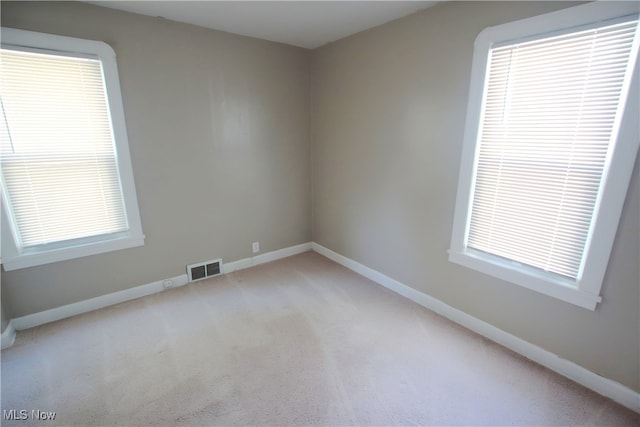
59,167
551,110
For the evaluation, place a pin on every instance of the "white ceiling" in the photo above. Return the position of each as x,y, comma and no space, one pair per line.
308,24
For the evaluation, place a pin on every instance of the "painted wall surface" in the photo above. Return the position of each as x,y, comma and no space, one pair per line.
4,317
388,113
218,128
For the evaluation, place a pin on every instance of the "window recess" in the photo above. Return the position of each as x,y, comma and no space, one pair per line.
549,147
67,181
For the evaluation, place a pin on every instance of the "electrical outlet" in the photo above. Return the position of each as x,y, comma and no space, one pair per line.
167,284
256,247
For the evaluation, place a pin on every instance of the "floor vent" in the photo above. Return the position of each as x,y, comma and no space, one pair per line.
203,270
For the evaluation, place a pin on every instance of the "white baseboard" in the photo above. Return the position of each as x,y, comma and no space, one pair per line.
266,257
8,336
58,313
604,386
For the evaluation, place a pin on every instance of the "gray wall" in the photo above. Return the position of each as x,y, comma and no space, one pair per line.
387,116
4,317
218,129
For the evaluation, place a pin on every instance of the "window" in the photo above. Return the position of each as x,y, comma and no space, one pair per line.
550,143
67,182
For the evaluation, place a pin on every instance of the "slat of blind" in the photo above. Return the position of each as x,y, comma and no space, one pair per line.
58,155
545,135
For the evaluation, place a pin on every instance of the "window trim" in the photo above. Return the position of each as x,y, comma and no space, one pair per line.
585,292
13,257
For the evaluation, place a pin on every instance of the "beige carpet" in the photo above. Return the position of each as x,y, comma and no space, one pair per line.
301,341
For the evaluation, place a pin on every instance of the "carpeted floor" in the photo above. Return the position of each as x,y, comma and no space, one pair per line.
300,341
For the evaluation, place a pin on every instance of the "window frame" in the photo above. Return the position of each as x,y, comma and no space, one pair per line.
585,291
13,256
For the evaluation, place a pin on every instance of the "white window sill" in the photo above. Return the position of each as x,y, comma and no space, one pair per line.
528,277
25,260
